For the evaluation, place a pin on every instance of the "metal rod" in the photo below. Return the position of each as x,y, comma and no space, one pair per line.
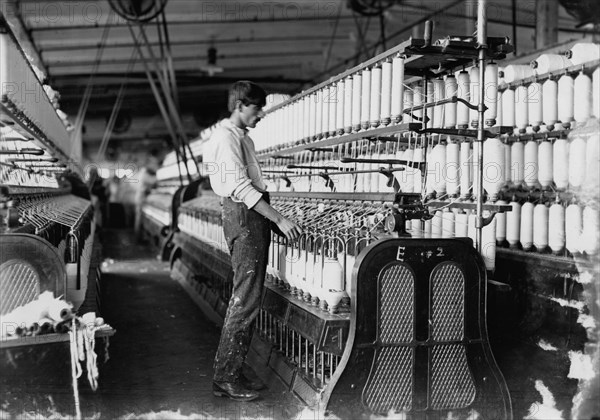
306,367
158,99
171,108
322,368
299,350
26,151
482,41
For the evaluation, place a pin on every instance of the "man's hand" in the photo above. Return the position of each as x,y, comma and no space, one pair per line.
290,229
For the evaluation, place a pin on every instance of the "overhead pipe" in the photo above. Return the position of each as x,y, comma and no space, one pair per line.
169,101
160,104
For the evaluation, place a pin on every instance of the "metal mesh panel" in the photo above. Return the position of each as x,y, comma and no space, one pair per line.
452,385
448,305
19,284
390,386
397,291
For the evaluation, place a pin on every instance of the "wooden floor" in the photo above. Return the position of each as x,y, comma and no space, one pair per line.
160,359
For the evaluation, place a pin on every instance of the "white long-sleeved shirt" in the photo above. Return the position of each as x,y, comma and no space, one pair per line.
231,163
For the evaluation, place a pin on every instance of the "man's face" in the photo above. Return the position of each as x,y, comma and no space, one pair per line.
251,114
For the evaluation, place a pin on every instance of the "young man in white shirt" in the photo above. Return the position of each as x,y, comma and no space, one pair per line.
247,215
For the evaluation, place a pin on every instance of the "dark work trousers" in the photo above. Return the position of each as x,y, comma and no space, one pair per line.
248,235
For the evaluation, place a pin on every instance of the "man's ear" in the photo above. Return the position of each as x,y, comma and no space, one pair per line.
238,105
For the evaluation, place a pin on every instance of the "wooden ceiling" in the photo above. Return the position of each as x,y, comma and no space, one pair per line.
284,45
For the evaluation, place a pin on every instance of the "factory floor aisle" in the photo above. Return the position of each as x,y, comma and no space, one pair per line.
161,356
160,359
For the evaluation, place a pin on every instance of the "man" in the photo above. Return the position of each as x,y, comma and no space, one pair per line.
247,217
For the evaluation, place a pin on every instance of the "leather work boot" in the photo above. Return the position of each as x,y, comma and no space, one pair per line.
234,390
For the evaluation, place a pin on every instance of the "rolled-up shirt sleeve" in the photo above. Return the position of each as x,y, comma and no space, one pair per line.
230,179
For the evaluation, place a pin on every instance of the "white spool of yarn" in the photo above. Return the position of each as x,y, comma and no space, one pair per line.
513,224
546,63
531,164
474,86
566,94
452,168
461,224
59,310
306,121
582,99
514,72
340,107
438,110
334,95
447,223
386,93
365,112
427,229
312,116
348,90
325,110
560,164
507,163
550,103
464,92
556,227
573,226
319,104
375,117
451,86
500,224
535,105
596,92
545,161
490,98
526,237
493,167
397,89
521,108
508,108
584,52
499,116
540,227
437,224
356,101
437,168
417,229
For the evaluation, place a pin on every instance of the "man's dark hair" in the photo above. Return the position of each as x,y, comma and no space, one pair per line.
247,92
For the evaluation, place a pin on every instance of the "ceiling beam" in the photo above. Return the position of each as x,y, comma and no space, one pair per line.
172,23
199,58
193,42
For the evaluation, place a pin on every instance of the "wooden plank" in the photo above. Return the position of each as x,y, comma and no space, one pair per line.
10,342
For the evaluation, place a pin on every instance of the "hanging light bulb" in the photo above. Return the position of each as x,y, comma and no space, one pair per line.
211,67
